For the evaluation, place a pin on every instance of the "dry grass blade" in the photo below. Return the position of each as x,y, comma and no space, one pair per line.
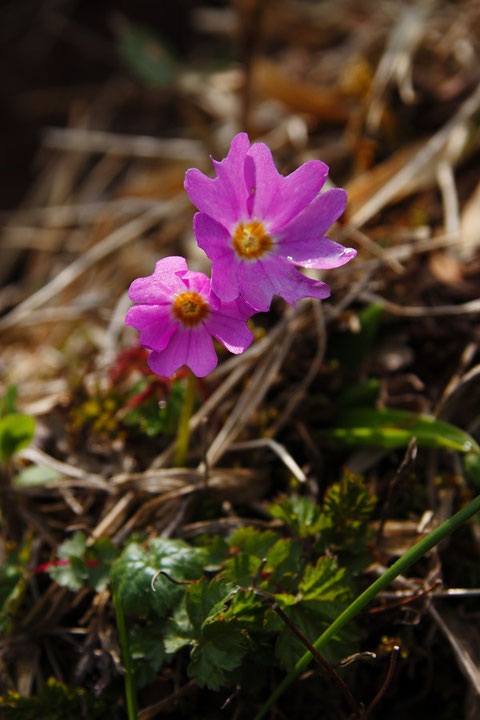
113,242
465,645
251,397
82,140
428,154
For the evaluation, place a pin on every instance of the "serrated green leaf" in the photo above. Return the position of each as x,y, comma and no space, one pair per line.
147,651
70,576
284,563
74,547
347,509
241,569
16,432
204,600
289,649
178,558
216,551
392,429
179,631
133,571
252,541
325,582
222,647
301,514
35,475
247,608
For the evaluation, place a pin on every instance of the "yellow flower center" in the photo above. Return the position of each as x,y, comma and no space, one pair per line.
251,241
190,308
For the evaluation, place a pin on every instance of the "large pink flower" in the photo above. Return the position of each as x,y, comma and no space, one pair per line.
177,316
255,225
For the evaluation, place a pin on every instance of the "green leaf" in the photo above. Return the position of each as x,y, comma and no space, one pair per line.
16,432
146,54
99,559
75,547
8,403
347,509
147,651
35,475
284,563
179,631
472,467
216,551
252,541
205,600
133,571
289,649
72,575
241,569
325,582
301,514
323,593
222,647
247,608
395,429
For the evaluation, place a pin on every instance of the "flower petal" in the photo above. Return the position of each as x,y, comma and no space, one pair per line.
322,254
155,324
262,179
315,220
255,285
173,263
229,326
162,285
224,198
201,358
192,347
303,240
225,277
213,238
295,192
197,282
173,356
285,281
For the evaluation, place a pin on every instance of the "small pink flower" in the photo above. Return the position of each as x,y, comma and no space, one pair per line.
255,225
177,316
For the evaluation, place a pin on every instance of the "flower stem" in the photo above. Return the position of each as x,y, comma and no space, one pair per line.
130,685
183,432
402,564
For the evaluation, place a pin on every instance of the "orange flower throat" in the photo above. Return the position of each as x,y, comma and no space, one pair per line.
251,241
190,308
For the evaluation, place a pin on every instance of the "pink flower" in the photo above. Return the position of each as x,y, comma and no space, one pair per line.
177,316
255,225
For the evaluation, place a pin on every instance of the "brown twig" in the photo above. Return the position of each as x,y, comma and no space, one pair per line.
321,661
386,683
